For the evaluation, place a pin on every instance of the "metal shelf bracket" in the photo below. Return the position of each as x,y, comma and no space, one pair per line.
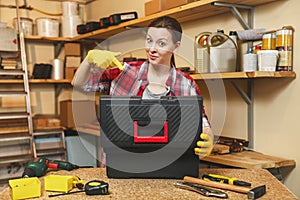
248,97
249,94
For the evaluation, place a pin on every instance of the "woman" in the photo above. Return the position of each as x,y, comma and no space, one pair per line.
156,77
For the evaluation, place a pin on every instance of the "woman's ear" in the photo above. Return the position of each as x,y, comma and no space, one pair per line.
177,44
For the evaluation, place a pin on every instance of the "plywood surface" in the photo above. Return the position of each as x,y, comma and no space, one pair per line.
250,160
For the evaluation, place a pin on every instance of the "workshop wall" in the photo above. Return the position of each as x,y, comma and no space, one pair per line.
276,101
43,95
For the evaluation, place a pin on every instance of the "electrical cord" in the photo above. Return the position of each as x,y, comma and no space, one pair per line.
31,8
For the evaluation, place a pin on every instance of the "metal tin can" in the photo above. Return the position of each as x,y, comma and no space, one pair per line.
269,41
284,45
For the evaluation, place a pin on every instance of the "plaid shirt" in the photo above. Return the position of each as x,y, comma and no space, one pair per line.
132,81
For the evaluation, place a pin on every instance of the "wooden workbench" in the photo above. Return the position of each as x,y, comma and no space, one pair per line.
250,160
245,159
163,188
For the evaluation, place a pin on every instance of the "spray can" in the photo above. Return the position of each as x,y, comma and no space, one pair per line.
201,60
223,53
284,45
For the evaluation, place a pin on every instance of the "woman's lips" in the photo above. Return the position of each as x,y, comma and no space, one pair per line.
152,57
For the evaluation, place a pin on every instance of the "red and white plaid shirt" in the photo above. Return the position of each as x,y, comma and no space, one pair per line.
132,81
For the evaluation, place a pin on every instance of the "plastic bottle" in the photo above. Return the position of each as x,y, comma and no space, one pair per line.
233,36
249,61
257,49
223,53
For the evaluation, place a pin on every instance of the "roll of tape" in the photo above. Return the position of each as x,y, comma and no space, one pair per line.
57,69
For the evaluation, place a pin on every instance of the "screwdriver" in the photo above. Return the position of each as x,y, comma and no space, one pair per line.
94,187
225,179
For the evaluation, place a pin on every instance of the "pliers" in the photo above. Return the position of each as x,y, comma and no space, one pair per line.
201,189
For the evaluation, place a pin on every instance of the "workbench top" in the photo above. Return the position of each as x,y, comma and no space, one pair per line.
163,188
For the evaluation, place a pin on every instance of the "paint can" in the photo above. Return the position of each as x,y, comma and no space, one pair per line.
26,25
269,41
69,25
267,60
69,8
48,27
284,45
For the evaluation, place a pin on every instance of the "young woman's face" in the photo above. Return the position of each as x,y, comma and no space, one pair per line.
160,46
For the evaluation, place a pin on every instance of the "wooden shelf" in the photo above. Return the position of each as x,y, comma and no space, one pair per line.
203,76
46,39
243,75
188,12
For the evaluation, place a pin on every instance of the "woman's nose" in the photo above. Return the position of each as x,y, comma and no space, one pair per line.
152,47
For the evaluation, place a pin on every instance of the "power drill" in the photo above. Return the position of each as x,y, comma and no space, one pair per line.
37,167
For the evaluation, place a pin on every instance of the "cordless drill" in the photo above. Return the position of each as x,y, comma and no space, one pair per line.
37,167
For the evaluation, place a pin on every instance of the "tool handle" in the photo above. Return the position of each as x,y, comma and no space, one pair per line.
240,189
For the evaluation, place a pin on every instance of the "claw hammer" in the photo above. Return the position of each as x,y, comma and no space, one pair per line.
253,193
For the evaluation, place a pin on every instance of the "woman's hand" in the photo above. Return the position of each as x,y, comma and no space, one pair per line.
205,145
104,59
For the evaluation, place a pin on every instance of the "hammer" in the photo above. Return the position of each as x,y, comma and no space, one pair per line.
253,193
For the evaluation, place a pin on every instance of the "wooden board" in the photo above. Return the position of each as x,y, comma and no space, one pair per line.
250,160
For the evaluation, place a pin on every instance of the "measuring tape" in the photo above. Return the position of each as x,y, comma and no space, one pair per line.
96,187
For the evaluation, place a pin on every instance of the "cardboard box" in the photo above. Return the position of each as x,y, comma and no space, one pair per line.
72,49
155,6
76,113
70,72
168,4
46,122
72,61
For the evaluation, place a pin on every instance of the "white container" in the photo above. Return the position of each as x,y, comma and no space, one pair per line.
69,8
48,27
249,62
26,25
57,69
223,53
201,60
267,60
69,25
8,39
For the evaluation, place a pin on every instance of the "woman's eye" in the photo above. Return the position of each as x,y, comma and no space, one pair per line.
149,40
162,44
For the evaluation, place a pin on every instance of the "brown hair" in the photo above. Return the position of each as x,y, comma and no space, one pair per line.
173,26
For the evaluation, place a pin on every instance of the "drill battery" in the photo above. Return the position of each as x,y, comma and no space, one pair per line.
92,26
116,19
88,27
81,29
104,22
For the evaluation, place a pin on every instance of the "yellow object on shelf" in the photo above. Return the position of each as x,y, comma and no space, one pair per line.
24,188
58,183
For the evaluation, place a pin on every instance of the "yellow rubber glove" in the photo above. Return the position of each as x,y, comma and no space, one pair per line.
104,59
204,146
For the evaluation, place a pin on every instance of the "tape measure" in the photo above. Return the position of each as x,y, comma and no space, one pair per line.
96,187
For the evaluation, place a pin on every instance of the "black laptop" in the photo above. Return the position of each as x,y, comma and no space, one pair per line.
145,138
